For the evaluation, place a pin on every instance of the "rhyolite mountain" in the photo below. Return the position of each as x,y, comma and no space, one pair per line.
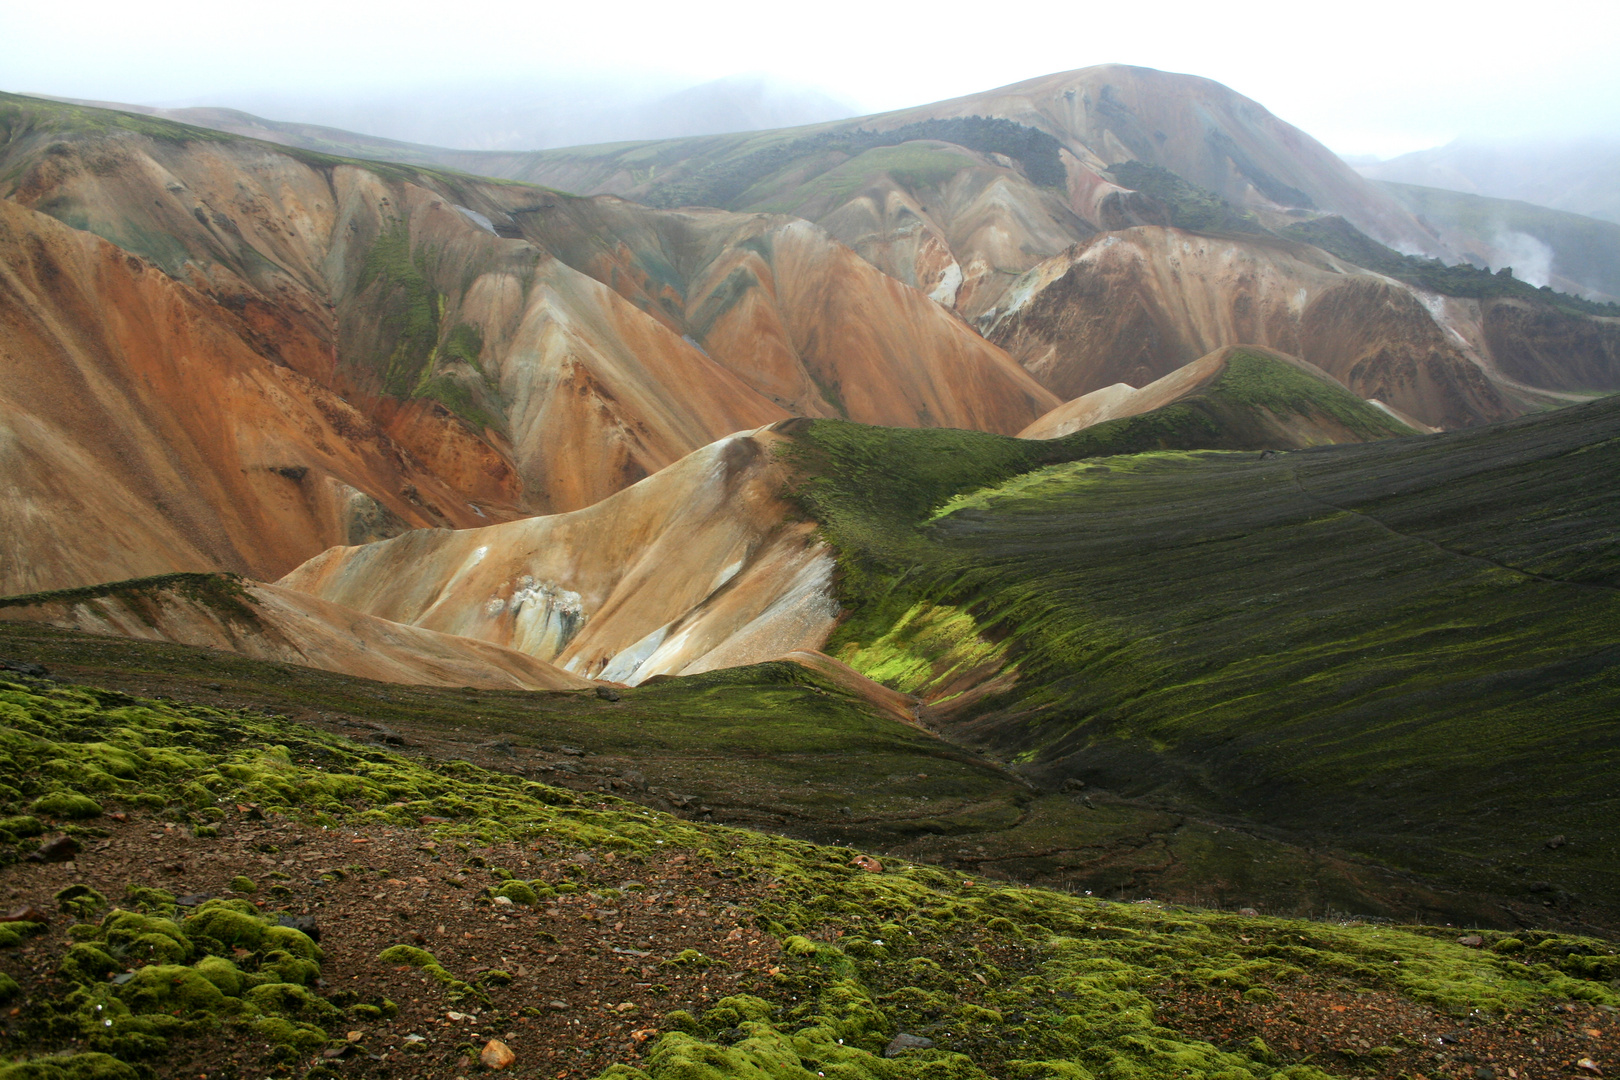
467,425
963,199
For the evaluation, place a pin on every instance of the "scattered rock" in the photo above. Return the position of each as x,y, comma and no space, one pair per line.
385,734
24,668
499,746
558,1006
1484,1072
26,914
306,923
496,1055
903,1042
1248,913
1589,1066
213,686
1472,941
1556,842
571,751
193,899
867,863
1074,783
58,848
607,693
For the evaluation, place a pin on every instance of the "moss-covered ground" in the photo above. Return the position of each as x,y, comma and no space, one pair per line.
999,980
1405,650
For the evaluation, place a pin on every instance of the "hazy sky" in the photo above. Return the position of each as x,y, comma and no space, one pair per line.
1372,76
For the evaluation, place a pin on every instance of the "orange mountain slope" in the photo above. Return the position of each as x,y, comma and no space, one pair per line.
143,430
1134,305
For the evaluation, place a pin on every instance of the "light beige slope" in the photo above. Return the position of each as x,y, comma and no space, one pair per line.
699,566
1122,399
1134,305
270,623
142,430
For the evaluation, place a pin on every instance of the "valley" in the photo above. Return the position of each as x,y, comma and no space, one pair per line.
1071,580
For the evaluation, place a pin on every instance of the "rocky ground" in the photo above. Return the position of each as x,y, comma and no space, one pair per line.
437,918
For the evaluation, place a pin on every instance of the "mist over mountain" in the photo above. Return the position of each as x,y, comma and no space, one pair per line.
1578,175
543,113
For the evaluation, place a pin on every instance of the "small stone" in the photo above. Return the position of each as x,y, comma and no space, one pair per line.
1248,913
496,1055
304,923
641,1035
1556,842
503,901
903,1042
607,693
1590,1066
1484,1072
60,848
1074,783
193,899
26,914
559,1006
1472,941
355,1036
867,863
429,819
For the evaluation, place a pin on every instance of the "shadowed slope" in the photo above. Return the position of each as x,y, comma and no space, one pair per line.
1408,648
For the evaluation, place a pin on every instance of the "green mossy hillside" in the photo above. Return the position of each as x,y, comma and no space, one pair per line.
1409,648
1003,980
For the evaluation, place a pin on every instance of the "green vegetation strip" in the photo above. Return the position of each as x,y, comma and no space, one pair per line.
1375,643
1019,981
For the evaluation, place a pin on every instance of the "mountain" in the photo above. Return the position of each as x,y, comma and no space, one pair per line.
970,200
261,621
700,566
1578,176
706,564
959,197
1136,304
456,358
150,428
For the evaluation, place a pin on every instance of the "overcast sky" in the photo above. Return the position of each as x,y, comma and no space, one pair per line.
1375,76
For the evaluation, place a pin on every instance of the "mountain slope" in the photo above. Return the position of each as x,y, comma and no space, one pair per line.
266,623
146,429
959,197
1578,253
697,567
705,564
1134,305
1378,645
442,314
1580,176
